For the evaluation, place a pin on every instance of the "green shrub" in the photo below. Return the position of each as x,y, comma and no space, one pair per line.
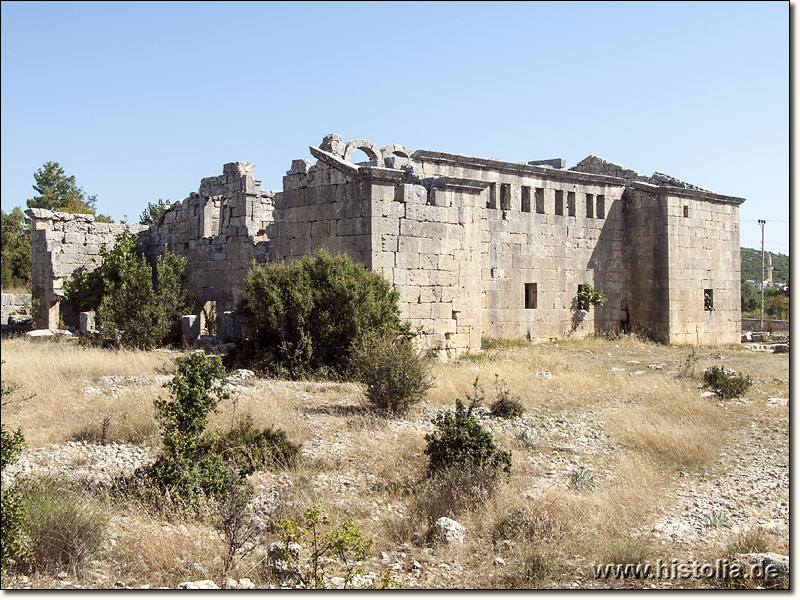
12,515
187,471
250,448
62,527
137,306
505,405
461,443
588,296
726,384
324,551
395,374
303,317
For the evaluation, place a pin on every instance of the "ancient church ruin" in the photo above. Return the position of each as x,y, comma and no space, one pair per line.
476,247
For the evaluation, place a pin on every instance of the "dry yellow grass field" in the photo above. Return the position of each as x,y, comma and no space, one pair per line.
627,411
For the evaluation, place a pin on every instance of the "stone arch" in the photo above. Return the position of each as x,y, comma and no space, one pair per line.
396,149
368,148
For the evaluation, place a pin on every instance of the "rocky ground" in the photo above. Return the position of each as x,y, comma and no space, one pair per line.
747,485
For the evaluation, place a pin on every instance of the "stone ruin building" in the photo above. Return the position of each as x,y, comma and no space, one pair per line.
476,247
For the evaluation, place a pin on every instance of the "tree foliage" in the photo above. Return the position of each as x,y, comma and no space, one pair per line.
150,214
751,301
59,192
751,265
16,249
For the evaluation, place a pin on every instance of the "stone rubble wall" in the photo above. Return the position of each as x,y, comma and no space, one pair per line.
220,229
61,244
15,304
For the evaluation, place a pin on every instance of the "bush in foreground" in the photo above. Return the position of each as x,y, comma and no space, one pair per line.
395,374
726,384
460,443
248,447
304,317
62,528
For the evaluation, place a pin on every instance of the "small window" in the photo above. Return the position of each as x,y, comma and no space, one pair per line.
571,203
540,200
526,198
505,196
708,300
530,295
492,196
685,210
589,206
601,206
559,202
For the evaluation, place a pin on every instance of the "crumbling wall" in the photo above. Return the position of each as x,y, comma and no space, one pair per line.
221,229
15,304
61,244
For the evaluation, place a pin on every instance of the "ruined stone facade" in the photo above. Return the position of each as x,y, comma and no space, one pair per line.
475,247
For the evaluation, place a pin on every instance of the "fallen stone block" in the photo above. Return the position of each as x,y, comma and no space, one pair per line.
44,334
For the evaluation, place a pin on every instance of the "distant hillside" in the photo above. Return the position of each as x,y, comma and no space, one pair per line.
751,265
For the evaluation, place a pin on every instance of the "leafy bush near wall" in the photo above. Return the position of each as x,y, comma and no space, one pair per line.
137,306
396,375
304,316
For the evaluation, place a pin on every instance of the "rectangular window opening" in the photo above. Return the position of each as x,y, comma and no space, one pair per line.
601,206
571,203
531,295
560,202
526,198
540,200
589,206
708,300
685,210
492,203
505,196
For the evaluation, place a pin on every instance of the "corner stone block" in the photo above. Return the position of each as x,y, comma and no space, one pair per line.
190,328
87,322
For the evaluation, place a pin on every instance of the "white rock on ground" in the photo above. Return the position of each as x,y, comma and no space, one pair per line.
448,531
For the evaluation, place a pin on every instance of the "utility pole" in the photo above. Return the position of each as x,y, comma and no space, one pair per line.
762,223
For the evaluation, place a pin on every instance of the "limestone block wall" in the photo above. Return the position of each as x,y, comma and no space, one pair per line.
62,243
647,265
544,232
703,234
13,304
426,242
322,207
220,229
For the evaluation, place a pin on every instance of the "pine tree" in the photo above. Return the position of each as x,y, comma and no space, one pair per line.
59,192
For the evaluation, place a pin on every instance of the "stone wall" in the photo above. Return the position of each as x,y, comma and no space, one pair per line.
544,231
475,247
220,229
703,236
61,244
15,304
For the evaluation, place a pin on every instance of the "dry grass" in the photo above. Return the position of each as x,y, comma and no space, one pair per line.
57,375
653,424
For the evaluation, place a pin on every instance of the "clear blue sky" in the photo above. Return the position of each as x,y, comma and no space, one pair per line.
139,101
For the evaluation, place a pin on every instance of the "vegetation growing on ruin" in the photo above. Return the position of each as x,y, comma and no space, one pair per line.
137,306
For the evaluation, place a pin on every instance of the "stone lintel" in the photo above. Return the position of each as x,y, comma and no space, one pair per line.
345,166
517,168
686,193
468,185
